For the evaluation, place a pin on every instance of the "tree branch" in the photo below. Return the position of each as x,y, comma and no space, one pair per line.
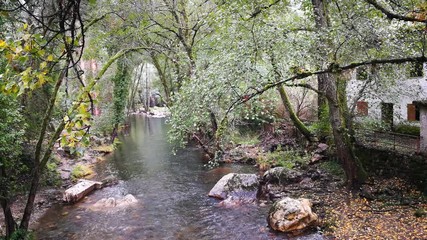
392,15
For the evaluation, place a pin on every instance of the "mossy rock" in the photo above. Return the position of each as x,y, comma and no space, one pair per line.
81,171
104,148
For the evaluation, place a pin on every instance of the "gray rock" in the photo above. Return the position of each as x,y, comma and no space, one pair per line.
321,148
237,186
281,175
290,215
316,158
111,203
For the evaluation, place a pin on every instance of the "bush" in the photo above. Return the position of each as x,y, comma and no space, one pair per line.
407,129
51,176
372,125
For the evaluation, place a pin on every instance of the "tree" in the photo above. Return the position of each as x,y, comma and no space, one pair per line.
341,44
34,59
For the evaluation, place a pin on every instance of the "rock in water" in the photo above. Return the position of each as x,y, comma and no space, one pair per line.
110,204
80,190
241,186
288,215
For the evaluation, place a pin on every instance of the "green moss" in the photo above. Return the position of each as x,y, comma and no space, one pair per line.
80,171
333,168
287,158
104,148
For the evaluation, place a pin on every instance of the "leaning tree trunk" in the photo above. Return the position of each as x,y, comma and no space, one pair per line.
287,103
302,128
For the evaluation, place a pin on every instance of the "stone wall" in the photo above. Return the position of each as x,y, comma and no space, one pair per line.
391,164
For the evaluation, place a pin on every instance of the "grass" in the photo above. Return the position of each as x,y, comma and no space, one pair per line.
287,158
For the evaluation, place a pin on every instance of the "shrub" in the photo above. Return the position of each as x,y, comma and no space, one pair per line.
407,129
51,176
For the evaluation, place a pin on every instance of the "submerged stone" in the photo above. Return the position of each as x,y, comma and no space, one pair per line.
237,186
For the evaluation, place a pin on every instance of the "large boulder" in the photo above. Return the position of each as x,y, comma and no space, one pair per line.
236,186
289,215
282,176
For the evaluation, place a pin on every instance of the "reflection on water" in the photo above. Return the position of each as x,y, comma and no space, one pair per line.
171,192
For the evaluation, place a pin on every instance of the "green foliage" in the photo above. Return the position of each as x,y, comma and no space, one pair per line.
51,176
322,128
102,124
244,138
28,65
20,234
407,129
121,83
11,140
288,158
419,213
371,124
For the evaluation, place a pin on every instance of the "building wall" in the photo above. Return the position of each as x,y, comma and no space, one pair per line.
399,92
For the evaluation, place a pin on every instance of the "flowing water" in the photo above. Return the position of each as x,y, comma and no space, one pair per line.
172,197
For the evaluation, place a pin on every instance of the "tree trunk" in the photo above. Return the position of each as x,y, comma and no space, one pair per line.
288,105
344,148
321,20
40,163
296,121
8,217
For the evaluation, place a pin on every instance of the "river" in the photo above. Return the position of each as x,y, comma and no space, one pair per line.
172,197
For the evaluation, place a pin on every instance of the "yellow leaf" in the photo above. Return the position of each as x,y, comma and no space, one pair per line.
2,44
50,58
41,78
43,65
25,26
27,47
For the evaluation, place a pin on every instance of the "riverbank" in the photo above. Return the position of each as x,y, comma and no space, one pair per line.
68,168
385,207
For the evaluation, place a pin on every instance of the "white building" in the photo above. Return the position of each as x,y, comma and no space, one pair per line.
387,99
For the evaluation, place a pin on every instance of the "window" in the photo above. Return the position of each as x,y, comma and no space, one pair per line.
362,108
413,113
415,69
